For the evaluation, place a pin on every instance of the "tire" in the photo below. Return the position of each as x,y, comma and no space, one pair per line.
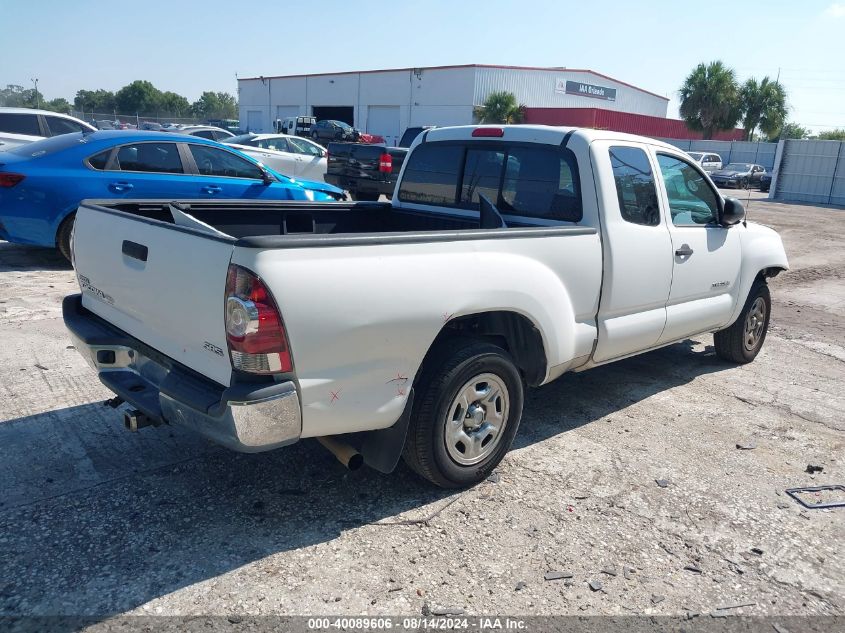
742,341
744,183
444,429
63,236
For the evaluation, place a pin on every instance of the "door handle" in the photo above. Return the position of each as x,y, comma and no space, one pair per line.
135,250
211,189
120,187
684,251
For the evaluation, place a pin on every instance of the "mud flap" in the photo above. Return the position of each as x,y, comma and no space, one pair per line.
383,448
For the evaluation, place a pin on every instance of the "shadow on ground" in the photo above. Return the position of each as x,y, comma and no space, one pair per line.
17,257
96,521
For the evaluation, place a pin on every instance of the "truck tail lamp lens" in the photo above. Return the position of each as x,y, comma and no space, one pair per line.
385,163
495,132
9,179
255,332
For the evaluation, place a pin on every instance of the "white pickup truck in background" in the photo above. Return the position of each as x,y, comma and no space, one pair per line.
508,256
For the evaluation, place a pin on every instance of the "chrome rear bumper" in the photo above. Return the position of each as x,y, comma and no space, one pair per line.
246,417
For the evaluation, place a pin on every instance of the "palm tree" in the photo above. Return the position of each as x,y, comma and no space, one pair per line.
500,107
710,99
764,105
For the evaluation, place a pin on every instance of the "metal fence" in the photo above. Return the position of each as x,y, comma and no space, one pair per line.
758,153
133,119
810,171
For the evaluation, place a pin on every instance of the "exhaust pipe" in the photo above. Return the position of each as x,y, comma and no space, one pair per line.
344,453
134,420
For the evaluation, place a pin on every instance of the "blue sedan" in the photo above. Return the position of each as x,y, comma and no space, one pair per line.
42,183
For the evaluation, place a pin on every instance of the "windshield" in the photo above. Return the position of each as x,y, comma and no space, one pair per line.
51,145
239,140
738,167
345,126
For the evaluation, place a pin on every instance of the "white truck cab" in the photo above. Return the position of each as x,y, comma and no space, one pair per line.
507,256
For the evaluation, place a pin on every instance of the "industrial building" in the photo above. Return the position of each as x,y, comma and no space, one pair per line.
385,102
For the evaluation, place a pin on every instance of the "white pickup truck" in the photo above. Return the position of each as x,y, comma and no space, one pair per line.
508,256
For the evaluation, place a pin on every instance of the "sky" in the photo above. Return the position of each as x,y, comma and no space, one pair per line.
189,46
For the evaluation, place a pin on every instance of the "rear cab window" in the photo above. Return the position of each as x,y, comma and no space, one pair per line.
523,180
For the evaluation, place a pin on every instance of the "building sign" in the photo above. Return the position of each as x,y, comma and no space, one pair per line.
585,90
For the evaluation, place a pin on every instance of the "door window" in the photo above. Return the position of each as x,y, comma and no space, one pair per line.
304,147
209,134
20,124
58,125
150,157
691,200
278,144
635,187
212,161
99,161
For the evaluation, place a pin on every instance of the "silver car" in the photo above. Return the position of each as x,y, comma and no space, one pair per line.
709,162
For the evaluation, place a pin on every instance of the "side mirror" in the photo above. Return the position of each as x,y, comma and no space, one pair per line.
732,212
267,177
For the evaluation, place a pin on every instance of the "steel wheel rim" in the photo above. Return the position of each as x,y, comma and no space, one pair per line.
476,419
755,321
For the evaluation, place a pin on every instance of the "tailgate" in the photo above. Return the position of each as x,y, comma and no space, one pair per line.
173,301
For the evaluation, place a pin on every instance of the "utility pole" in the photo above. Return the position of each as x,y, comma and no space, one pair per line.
37,99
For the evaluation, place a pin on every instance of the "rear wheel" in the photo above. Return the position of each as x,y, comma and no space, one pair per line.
466,414
63,236
742,341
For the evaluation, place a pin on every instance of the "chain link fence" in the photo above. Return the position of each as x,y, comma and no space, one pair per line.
101,119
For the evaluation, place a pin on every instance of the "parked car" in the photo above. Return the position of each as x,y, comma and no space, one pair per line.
509,256
230,125
709,162
295,125
41,184
331,130
368,171
765,181
19,126
105,124
289,155
151,126
203,131
738,175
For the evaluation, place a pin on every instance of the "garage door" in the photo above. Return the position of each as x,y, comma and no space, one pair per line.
384,121
253,121
282,112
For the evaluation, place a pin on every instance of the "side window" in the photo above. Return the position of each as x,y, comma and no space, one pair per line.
691,200
20,124
150,157
304,147
482,172
209,134
219,136
59,125
541,182
99,161
278,144
431,175
635,187
212,161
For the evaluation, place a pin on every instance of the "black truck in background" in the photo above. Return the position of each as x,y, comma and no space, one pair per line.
368,171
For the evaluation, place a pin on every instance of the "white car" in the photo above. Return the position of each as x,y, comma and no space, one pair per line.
508,256
203,131
19,126
289,155
709,162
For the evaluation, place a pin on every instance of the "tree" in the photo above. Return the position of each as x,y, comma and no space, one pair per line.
832,135
59,104
95,101
174,104
14,96
764,106
789,130
139,97
500,107
215,105
710,99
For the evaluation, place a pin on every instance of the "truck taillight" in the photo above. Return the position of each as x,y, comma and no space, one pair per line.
385,163
10,180
255,332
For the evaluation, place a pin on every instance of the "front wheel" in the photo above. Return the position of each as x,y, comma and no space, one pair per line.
742,341
466,415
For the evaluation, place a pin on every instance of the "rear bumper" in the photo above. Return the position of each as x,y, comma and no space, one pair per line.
245,417
365,185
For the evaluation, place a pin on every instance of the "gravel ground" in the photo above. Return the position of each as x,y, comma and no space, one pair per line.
98,521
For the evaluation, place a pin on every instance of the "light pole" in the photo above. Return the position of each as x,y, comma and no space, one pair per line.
37,100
